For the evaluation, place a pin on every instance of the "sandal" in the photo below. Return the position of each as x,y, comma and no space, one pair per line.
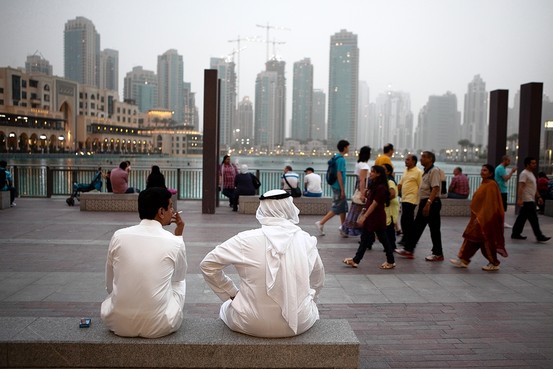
350,262
387,265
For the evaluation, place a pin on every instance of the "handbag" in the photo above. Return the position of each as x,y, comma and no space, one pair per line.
357,198
294,191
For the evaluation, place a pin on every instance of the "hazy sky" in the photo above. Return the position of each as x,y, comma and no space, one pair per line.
424,47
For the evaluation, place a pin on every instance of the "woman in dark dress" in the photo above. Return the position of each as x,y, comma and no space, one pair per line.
373,219
155,178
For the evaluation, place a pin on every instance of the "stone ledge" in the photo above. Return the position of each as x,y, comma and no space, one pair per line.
307,205
5,200
199,343
108,201
548,210
455,208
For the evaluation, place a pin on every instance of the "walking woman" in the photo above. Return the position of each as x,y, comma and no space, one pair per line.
350,226
373,219
485,229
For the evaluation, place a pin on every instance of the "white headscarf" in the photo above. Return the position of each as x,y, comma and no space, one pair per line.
288,267
243,169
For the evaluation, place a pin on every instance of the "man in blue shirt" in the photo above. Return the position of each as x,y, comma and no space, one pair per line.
501,177
339,202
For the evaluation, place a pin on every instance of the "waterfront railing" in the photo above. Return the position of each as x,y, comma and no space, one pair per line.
48,181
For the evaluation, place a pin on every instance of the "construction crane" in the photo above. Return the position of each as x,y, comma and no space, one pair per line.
274,46
268,27
237,41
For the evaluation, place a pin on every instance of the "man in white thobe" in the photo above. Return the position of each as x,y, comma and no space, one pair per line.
145,271
280,269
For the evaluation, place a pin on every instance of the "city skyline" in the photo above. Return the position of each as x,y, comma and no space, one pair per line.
428,47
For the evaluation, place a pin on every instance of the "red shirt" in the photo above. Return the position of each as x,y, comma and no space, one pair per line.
460,185
376,221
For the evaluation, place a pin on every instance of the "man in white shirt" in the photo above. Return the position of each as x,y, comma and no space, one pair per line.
289,179
312,183
145,271
281,273
527,195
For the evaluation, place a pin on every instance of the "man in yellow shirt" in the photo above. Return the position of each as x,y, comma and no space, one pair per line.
386,158
408,188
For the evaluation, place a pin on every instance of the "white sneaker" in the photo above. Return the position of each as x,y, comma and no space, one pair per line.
507,225
320,228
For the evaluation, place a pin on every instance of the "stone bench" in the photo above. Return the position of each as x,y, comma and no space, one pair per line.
5,200
27,342
548,210
108,201
307,205
455,208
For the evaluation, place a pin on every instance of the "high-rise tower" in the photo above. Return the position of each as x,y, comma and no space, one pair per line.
170,73
475,122
141,87
265,107
318,116
302,100
109,69
227,106
439,124
82,52
343,88
279,112
37,64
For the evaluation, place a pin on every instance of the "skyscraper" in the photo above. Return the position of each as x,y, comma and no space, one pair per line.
475,114
244,123
366,131
170,73
318,120
191,118
82,52
109,69
141,87
439,124
395,119
36,64
227,105
302,100
278,66
343,88
265,125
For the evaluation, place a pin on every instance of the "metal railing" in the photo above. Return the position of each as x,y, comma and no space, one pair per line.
46,181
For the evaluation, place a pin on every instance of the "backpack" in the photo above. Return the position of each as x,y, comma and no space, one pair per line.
332,171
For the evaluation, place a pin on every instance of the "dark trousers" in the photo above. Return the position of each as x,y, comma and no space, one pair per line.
407,218
367,241
434,223
391,233
527,212
13,193
504,200
229,192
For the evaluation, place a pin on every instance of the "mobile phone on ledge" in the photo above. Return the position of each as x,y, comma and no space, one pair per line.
85,323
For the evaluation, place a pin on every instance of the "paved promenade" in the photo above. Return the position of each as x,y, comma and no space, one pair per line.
418,315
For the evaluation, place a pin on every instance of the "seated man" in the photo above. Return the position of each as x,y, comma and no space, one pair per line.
145,271
280,269
459,186
312,183
119,179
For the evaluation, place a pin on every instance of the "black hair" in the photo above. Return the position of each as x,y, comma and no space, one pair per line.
364,154
123,165
431,154
389,147
342,144
380,180
3,164
415,159
528,160
225,158
490,169
150,200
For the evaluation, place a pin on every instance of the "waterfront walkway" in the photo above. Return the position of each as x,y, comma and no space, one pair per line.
418,315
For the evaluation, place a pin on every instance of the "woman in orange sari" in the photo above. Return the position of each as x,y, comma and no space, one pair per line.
485,229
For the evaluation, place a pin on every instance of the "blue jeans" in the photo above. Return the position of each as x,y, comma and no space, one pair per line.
312,194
